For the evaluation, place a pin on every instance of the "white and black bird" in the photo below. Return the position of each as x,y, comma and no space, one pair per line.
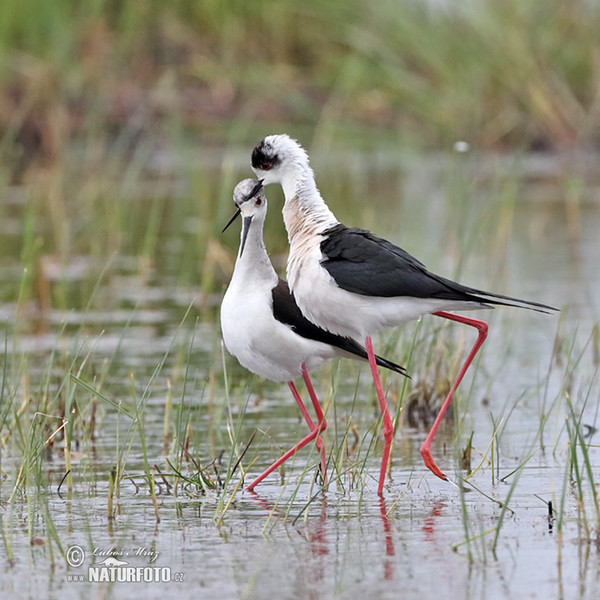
352,283
263,327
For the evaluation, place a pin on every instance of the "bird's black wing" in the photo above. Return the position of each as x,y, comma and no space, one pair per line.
285,310
362,263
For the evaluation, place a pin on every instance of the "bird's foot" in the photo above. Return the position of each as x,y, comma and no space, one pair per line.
430,463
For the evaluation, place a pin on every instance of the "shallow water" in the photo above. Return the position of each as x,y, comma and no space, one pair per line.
428,537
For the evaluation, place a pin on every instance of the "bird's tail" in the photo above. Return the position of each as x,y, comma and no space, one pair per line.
500,300
392,366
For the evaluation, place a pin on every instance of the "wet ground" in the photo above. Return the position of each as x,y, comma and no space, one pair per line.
489,537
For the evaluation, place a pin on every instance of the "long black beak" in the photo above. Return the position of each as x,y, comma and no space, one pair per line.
256,188
237,213
245,229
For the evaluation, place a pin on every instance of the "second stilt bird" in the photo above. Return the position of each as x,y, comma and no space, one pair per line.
352,283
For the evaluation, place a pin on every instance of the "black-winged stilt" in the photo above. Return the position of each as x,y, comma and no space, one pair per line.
263,327
352,283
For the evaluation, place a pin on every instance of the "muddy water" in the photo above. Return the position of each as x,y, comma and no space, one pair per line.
428,538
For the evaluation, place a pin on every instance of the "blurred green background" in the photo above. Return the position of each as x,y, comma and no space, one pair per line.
500,74
124,124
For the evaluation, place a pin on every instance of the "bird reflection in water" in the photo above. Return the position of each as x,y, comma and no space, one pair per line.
316,533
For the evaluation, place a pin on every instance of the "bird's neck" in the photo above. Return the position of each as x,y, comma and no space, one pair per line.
254,264
305,212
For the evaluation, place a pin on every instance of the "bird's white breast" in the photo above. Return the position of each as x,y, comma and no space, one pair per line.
262,344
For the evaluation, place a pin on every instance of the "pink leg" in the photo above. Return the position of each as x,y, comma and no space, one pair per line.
482,328
314,433
321,422
388,426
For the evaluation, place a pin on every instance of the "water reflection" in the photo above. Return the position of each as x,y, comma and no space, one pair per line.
388,565
429,523
316,533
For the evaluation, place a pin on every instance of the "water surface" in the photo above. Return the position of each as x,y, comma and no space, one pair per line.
481,220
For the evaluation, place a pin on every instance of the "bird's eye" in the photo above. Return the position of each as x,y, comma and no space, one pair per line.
258,202
267,166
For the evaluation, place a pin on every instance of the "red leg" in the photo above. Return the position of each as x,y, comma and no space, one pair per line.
482,328
321,422
314,433
301,406
388,426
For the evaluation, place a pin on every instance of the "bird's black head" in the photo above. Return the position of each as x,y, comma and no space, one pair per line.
264,157
280,159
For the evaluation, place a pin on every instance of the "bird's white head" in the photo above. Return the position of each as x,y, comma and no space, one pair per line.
281,159
249,197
